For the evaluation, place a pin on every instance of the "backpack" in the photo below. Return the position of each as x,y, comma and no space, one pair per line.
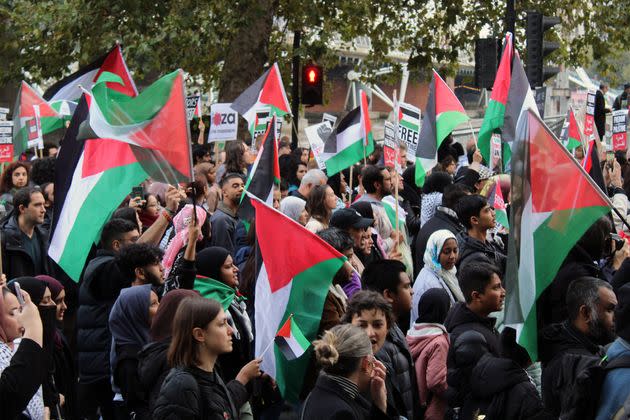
584,400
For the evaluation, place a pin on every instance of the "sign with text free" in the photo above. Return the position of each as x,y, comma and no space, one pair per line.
619,130
409,126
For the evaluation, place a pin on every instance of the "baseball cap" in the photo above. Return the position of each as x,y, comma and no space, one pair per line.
349,218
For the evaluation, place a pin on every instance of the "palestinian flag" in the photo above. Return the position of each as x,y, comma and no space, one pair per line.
520,99
350,141
554,202
291,341
267,91
289,284
495,199
96,174
33,117
574,136
264,175
493,119
154,123
113,62
214,289
444,112
592,165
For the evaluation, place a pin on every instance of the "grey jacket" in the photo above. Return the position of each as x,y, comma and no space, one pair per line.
224,222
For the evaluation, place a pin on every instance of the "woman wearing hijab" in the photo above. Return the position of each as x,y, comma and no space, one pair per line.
41,297
152,360
428,343
432,194
217,277
129,323
65,375
439,269
295,208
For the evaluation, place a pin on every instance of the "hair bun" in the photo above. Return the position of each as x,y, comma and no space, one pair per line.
326,351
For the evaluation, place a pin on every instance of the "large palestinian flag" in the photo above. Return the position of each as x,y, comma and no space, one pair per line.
267,91
289,283
32,117
113,144
350,141
264,175
554,202
444,112
493,119
69,88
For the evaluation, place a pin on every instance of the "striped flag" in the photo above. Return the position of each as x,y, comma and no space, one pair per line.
290,340
573,134
350,141
444,112
554,202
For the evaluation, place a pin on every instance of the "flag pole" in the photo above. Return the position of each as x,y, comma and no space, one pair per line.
394,97
350,198
473,133
272,341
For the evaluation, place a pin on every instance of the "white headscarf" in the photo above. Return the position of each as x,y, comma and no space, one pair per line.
432,261
292,207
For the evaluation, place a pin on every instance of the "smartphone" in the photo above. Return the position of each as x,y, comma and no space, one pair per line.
18,294
137,192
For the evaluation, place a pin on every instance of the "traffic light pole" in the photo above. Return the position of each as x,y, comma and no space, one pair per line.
295,89
510,18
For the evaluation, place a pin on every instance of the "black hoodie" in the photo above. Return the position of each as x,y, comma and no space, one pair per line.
564,352
152,369
505,390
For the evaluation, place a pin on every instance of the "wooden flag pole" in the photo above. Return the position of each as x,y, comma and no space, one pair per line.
473,134
350,183
396,158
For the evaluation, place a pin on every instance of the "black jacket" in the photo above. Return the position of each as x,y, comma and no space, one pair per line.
191,393
224,223
600,113
101,285
397,359
16,261
125,378
65,376
473,250
328,400
505,390
442,219
21,379
617,104
552,306
241,354
152,370
564,352
460,319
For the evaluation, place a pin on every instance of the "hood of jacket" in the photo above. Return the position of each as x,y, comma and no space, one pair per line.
460,314
564,338
493,374
422,334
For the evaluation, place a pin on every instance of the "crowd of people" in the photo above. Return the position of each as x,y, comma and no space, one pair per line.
161,323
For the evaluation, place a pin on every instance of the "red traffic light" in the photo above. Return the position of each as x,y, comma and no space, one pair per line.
312,84
312,76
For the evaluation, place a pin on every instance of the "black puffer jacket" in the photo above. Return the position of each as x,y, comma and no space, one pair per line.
464,354
473,250
152,370
444,218
564,352
552,306
15,260
397,359
191,393
101,285
505,390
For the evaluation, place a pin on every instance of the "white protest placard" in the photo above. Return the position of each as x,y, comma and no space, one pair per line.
409,127
34,127
193,106
619,130
589,118
317,135
389,145
330,118
6,141
223,123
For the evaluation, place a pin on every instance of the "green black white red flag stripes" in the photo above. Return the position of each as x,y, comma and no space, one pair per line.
32,116
574,135
290,340
350,141
154,123
267,91
495,200
264,175
493,119
443,113
288,284
554,202
70,88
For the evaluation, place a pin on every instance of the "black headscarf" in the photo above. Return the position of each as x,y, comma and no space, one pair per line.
210,260
433,306
34,287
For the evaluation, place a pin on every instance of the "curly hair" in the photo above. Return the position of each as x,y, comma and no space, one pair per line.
6,179
43,170
136,256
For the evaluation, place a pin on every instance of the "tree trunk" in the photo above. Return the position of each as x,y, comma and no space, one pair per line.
247,55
